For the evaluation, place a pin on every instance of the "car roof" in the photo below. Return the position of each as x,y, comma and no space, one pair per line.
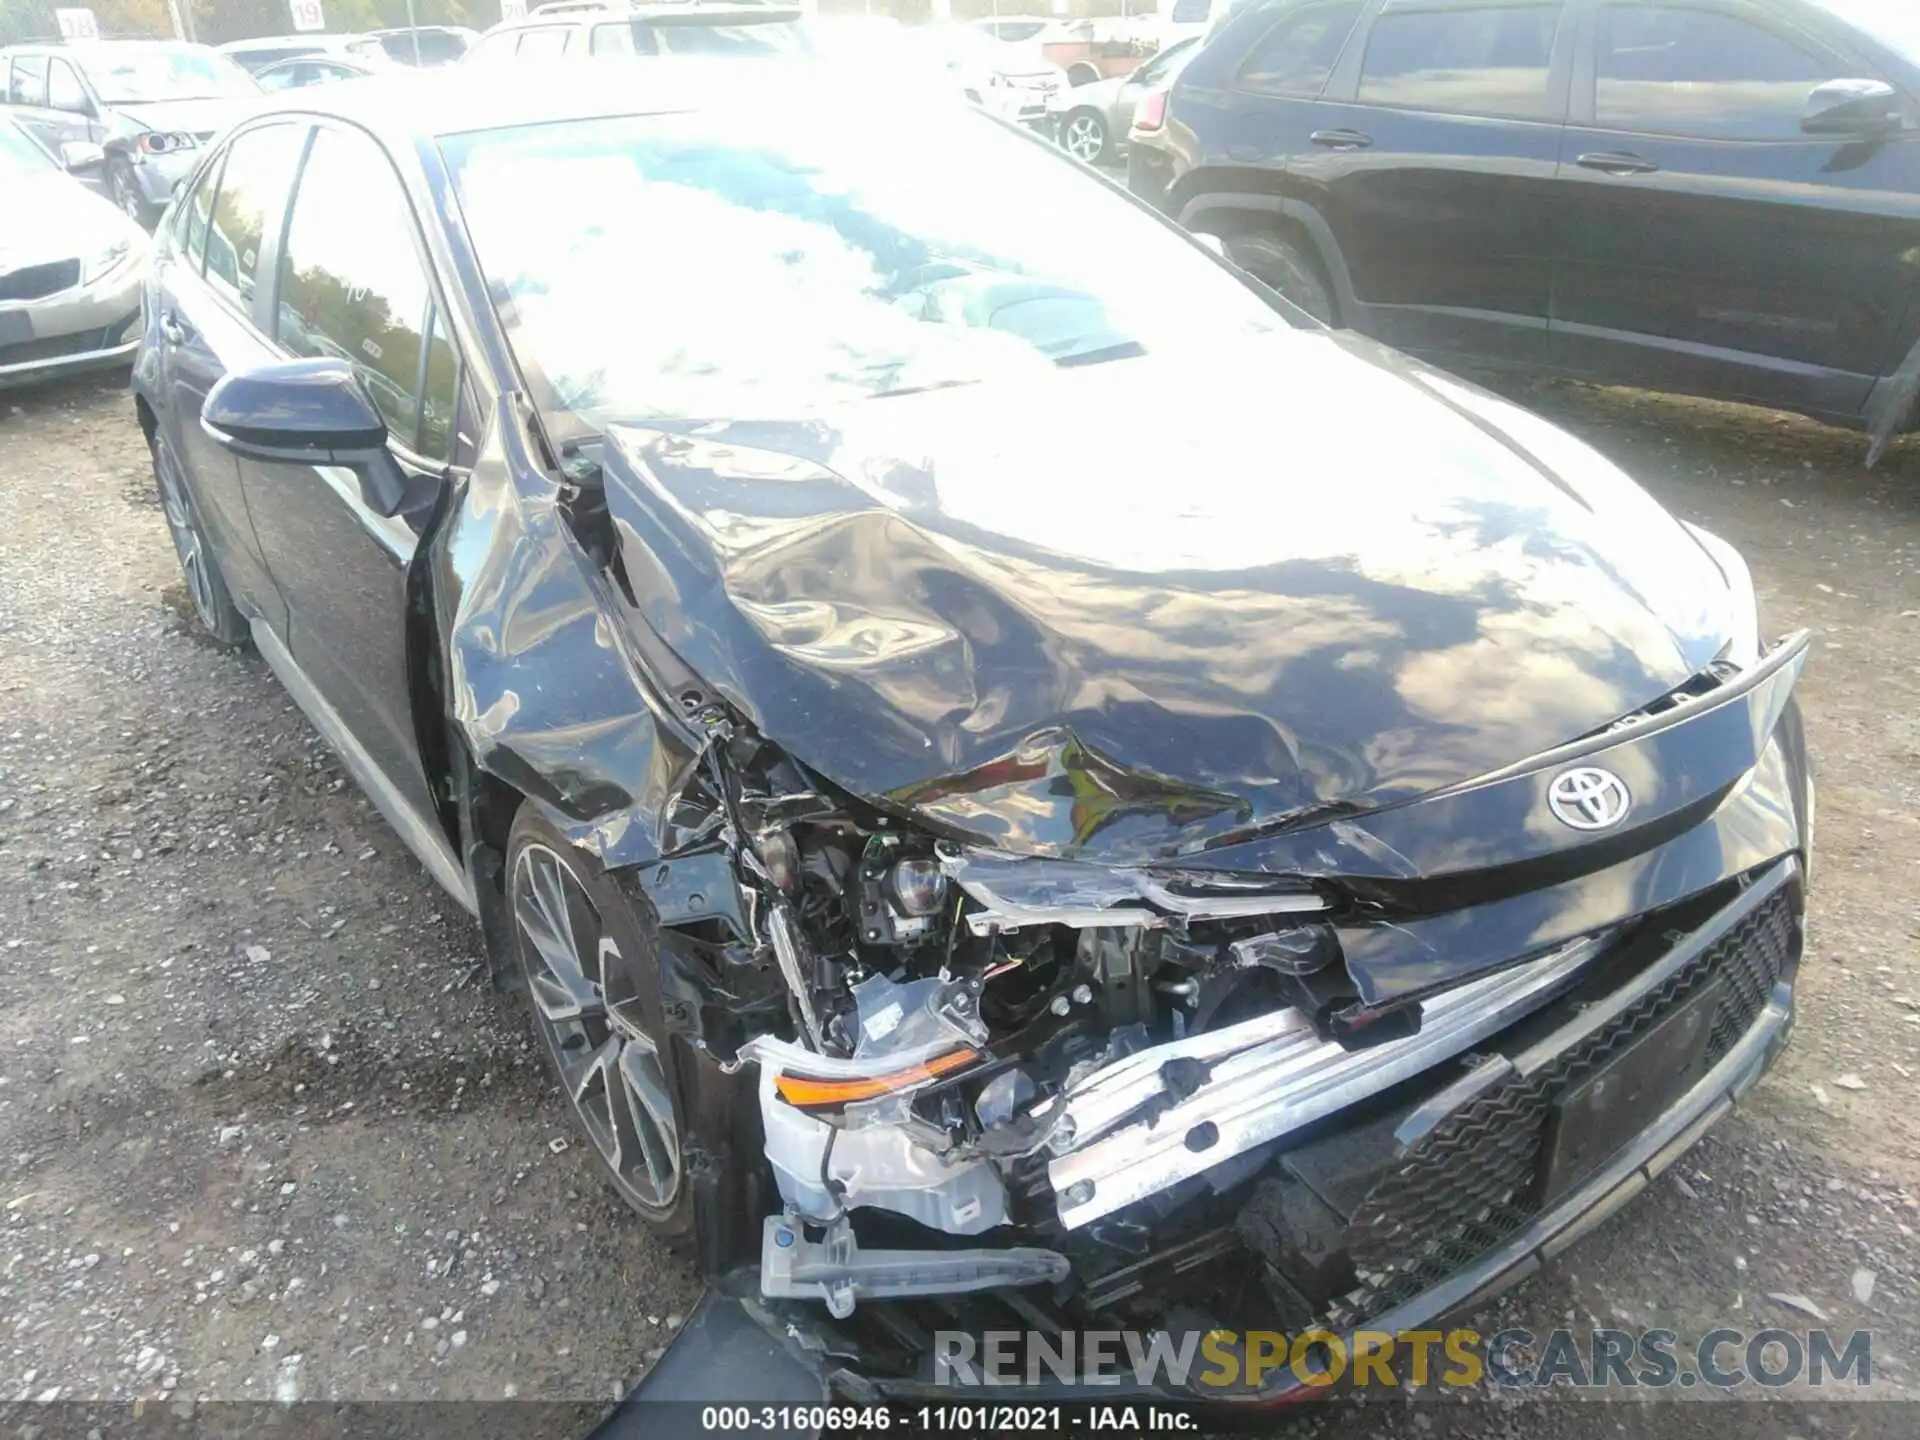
685,12
311,37
412,107
84,48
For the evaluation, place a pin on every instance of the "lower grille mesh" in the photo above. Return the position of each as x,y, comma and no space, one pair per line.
1473,1182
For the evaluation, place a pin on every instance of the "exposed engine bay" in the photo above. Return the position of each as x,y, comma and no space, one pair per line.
981,1044
1030,963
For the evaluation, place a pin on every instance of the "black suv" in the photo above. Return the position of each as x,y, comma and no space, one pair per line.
1720,197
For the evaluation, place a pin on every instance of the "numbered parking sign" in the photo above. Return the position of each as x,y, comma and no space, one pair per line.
77,24
307,14
513,9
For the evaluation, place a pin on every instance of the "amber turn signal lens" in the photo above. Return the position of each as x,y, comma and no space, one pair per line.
811,1093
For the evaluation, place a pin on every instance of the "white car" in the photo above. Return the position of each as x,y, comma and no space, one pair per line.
1010,79
71,264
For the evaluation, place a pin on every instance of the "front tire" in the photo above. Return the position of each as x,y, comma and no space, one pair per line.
1084,136
588,955
1287,266
206,587
125,191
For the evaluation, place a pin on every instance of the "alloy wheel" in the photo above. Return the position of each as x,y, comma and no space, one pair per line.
187,541
587,1009
1085,138
126,196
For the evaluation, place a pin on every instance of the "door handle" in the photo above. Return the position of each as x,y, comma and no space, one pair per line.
1617,162
1341,139
174,332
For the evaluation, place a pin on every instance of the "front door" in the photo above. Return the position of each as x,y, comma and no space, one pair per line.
353,286
1712,246
1432,158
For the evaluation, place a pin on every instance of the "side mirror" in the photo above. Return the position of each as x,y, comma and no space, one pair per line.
1852,107
306,412
82,157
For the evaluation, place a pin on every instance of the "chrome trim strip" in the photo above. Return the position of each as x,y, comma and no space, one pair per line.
1272,1076
428,845
105,357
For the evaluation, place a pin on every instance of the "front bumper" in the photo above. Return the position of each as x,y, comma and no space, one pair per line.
1735,970
85,327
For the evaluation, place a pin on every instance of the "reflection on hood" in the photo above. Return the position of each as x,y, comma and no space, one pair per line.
54,217
1131,638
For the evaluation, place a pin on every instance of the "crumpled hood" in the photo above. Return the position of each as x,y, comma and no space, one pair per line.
53,217
1133,609
194,117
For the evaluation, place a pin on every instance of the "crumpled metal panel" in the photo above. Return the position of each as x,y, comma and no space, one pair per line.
542,682
1126,641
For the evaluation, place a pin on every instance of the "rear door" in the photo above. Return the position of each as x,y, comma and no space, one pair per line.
70,109
353,284
1711,245
1432,158
1269,108
28,96
209,323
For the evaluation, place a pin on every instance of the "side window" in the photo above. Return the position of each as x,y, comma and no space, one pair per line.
30,80
437,48
194,215
498,46
1296,57
439,394
352,286
252,196
64,91
628,37
1667,69
545,43
1489,60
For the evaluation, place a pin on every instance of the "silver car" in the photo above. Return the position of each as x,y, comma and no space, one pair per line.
150,104
1091,121
71,265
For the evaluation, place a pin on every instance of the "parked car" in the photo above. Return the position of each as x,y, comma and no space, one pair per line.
1721,199
1091,121
71,265
308,70
1190,19
1019,29
256,54
148,104
921,819
425,46
577,31
1010,79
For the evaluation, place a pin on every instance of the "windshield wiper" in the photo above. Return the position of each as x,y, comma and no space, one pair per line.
919,389
1125,350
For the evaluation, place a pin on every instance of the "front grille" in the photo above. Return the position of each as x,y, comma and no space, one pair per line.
84,342
35,282
1473,1181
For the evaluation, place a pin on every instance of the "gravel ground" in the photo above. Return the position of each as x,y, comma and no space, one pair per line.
266,1132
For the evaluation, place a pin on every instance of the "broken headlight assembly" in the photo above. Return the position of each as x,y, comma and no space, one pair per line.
976,1044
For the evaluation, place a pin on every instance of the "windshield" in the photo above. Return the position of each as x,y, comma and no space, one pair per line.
136,74
1894,23
751,266
19,155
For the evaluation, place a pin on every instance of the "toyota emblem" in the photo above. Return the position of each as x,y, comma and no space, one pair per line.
1589,798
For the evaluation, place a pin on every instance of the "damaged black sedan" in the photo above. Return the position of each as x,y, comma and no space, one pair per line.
1026,783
